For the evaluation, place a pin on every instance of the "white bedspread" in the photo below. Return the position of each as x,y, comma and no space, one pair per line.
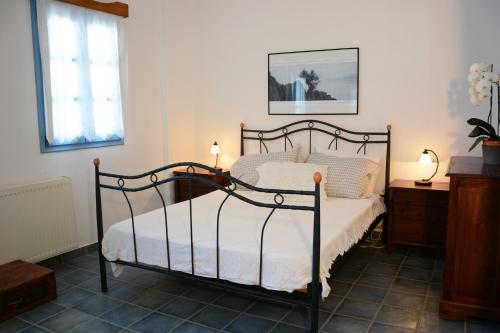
287,241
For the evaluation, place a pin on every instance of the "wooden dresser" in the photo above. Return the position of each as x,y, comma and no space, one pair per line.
197,188
471,285
417,214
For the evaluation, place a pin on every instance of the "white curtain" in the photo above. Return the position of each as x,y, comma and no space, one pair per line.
81,52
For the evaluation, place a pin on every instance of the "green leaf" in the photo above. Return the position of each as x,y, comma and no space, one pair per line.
478,140
481,123
477,131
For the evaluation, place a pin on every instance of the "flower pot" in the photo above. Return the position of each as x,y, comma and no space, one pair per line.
491,152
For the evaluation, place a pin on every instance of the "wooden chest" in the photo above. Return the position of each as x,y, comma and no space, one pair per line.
24,286
417,214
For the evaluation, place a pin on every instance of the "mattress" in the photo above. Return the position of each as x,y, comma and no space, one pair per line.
287,249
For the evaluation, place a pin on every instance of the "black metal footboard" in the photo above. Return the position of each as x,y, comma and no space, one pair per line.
312,296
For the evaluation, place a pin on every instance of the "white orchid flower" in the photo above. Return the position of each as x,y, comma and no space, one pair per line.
473,83
491,77
473,76
474,68
483,85
485,68
474,100
485,94
481,78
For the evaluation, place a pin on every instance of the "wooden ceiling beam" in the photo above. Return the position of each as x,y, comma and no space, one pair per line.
115,8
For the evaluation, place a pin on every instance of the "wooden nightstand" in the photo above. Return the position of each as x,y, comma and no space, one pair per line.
417,214
197,188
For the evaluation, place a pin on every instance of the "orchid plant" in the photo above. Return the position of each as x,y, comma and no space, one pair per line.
481,82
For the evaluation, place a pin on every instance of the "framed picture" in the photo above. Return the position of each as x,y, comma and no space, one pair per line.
318,82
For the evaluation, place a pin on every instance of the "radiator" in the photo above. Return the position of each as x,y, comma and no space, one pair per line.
37,221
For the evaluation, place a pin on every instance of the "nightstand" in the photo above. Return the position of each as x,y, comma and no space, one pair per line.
197,188
417,214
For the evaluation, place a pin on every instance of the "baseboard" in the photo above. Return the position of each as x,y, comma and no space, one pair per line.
61,258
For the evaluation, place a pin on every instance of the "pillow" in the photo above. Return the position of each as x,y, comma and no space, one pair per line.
346,177
291,176
339,153
376,159
245,168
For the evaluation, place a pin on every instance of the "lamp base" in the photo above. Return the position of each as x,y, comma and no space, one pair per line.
423,182
217,168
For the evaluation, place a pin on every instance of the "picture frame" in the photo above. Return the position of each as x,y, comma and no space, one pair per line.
313,82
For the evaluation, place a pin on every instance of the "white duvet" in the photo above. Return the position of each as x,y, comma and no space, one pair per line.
287,239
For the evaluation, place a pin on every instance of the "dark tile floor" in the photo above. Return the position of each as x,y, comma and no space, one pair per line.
371,292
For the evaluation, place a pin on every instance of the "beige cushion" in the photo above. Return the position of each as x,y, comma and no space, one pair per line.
245,168
291,176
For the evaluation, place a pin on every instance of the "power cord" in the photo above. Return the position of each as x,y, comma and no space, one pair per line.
374,239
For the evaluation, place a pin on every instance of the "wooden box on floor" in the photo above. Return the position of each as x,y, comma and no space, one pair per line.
24,286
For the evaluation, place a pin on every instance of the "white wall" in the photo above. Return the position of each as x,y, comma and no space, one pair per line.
21,160
198,68
414,58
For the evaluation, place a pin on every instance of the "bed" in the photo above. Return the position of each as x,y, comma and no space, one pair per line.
286,256
237,237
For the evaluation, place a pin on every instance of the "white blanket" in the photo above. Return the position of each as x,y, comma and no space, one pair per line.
287,239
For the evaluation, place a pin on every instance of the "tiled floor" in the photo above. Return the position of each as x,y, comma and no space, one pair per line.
371,292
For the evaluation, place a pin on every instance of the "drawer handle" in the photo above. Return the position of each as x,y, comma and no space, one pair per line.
16,302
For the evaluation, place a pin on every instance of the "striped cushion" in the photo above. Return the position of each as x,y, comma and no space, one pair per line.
346,177
245,168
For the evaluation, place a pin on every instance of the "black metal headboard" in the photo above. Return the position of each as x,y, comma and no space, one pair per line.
337,133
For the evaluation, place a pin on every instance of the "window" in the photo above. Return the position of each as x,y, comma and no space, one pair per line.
78,79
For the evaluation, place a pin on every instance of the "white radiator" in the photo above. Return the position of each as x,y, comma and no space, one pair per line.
37,221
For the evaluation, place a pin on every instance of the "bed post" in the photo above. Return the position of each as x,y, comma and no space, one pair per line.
387,163
387,180
242,149
100,233
315,284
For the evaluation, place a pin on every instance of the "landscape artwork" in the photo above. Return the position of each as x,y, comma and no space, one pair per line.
313,82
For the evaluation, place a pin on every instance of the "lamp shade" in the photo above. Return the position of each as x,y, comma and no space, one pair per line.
425,158
215,149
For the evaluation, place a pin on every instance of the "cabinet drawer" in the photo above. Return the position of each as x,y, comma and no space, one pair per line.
420,198
418,233
427,214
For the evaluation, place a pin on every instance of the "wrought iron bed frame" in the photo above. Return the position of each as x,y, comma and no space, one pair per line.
312,296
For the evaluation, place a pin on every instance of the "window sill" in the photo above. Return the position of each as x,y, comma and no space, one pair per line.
76,146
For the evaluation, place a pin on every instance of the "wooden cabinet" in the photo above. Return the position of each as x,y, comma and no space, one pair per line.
197,187
417,214
472,265
24,286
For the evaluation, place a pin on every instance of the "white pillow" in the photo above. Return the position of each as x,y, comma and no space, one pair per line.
245,168
291,176
346,177
372,177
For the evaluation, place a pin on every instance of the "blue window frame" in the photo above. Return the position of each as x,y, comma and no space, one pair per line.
45,147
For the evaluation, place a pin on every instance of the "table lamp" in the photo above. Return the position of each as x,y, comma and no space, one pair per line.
215,151
426,159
